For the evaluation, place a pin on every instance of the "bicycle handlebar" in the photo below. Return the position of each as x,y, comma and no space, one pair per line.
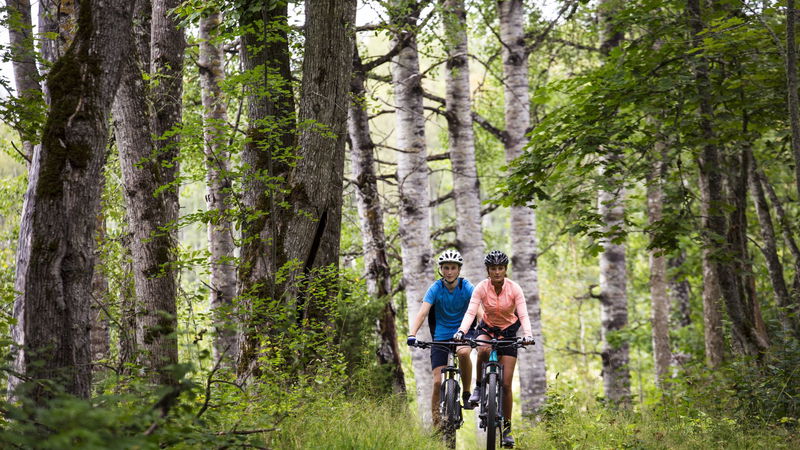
516,343
495,343
426,344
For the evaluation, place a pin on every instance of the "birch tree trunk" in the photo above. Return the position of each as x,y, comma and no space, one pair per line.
412,177
67,198
613,297
218,185
613,269
659,301
747,338
679,290
712,298
532,371
370,213
466,186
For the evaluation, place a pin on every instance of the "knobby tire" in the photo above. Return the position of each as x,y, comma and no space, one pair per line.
491,412
450,412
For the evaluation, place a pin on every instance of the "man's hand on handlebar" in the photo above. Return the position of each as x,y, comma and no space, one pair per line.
527,340
411,341
459,336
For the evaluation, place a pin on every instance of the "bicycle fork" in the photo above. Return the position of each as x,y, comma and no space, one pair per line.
493,366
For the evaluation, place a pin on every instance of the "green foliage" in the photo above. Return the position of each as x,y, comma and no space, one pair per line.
572,420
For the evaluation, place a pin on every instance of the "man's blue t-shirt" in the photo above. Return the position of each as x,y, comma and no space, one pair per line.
448,307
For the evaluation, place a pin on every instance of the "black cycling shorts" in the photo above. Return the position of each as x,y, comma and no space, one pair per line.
505,333
439,352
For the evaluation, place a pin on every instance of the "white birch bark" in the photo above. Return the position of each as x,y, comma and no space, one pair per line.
220,232
613,271
466,186
412,176
659,301
613,298
531,363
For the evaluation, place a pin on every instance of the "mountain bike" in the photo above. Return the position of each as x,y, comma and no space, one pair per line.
491,400
449,392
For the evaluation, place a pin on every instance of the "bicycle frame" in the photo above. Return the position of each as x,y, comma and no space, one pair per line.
452,419
493,370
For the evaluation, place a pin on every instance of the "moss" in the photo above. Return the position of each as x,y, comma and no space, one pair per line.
71,81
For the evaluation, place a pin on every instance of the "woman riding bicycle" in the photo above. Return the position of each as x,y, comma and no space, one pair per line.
449,297
504,312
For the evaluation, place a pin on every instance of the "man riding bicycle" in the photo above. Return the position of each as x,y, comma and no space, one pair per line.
444,304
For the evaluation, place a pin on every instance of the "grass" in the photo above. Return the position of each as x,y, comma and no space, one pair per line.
568,423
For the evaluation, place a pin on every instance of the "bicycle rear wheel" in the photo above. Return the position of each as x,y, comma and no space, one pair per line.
491,411
452,412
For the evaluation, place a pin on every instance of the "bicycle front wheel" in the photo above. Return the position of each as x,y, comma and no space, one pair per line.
491,411
451,413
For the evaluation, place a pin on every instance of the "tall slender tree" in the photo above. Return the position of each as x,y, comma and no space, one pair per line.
270,139
659,301
370,212
746,337
533,379
613,269
26,79
218,185
412,177
143,115
466,186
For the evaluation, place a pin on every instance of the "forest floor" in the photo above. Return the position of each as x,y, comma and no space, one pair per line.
391,425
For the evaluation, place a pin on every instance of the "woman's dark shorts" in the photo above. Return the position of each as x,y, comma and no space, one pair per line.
506,333
439,352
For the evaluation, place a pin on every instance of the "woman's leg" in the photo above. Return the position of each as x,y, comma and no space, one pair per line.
509,362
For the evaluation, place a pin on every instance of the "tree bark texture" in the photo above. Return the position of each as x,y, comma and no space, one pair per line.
82,84
466,186
370,212
613,298
532,370
151,209
712,298
412,178
746,337
271,139
788,236
218,185
659,301
791,84
679,290
613,269
787,311
313,223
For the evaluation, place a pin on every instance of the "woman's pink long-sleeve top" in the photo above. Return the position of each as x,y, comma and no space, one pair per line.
499,310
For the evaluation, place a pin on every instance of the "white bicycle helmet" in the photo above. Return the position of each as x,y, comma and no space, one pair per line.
450,256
